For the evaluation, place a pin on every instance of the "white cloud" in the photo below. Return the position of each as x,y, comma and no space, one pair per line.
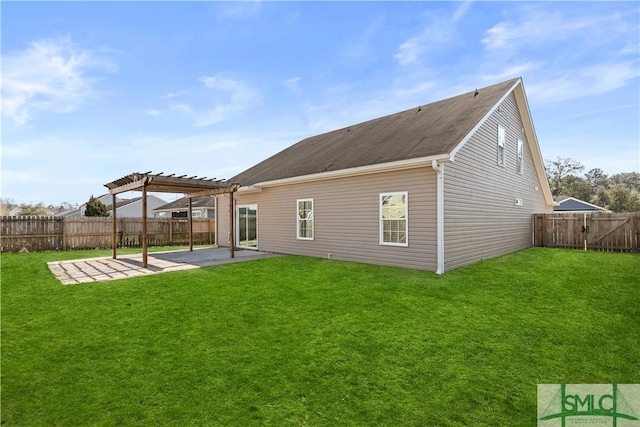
153,112
436,35
513,71
238,10
362,48
183,108
50,75
537,25
232,96
592,80
293,84
218,98
461,11
172,94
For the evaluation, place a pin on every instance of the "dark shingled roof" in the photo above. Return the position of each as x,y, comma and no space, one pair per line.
429,130
183,203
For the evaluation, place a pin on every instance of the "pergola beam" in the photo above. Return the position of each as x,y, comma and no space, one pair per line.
212,192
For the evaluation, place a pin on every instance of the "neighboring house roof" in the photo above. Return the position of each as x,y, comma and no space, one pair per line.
183,203
571,204
124,202
428,130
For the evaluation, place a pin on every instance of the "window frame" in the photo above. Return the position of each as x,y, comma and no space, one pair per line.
298,220
502,142
381,220
520,157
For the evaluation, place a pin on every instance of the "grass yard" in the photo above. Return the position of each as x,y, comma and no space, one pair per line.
303,341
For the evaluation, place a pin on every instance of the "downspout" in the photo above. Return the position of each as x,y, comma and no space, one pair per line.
439,168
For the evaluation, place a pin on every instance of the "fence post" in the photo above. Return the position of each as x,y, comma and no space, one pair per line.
634,232
64,233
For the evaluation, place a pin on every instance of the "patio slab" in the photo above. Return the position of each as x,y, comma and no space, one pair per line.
125,266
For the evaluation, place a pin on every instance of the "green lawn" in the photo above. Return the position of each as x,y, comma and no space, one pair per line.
303,341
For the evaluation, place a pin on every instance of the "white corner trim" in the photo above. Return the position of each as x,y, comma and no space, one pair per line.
532,142
360,170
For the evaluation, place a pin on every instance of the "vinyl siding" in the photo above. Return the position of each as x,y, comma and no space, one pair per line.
481,219
346,218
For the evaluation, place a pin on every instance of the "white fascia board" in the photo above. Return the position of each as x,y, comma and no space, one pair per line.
357,171
534,146
250,189
481,122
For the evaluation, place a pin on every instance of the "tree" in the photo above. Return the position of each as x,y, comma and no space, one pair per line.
30,210
95,208
631,180
558,170
623,199
597,178
577,187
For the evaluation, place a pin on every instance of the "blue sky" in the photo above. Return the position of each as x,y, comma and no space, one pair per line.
94,91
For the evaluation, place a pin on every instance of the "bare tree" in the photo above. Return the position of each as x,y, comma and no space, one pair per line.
558,170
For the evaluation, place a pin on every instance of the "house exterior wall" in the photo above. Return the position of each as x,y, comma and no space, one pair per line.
134,209
481,219
346,218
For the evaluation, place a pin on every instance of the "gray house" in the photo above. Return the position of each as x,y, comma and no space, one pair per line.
201,207
435,187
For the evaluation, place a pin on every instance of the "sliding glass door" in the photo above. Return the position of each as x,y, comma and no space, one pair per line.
247,227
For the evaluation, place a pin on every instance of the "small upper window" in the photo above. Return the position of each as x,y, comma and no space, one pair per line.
393,219
520,161
501,138
305,219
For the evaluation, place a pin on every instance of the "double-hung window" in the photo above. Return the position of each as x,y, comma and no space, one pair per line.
305,219
520,161
394,209
501,140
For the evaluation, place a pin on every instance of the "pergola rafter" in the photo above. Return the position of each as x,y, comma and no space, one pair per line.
191,187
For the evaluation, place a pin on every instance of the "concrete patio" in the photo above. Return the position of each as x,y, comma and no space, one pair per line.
125,266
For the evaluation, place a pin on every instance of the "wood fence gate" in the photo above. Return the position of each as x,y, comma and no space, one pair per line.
593,231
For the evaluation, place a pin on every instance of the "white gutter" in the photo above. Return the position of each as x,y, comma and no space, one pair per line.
439,168
360,170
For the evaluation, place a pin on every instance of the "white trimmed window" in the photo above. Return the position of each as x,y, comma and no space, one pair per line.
305,219
520,161
501,138
394,209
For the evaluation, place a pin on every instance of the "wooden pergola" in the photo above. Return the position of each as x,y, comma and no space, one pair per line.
191,187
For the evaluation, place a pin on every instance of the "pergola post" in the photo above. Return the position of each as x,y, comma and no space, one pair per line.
232,239
190,215
114,238
144,225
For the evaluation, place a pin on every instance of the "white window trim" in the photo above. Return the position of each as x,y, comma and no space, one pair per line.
313,219
502,142
406,218
520,157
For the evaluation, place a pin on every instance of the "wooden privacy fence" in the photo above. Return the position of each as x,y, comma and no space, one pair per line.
53,233
594,231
